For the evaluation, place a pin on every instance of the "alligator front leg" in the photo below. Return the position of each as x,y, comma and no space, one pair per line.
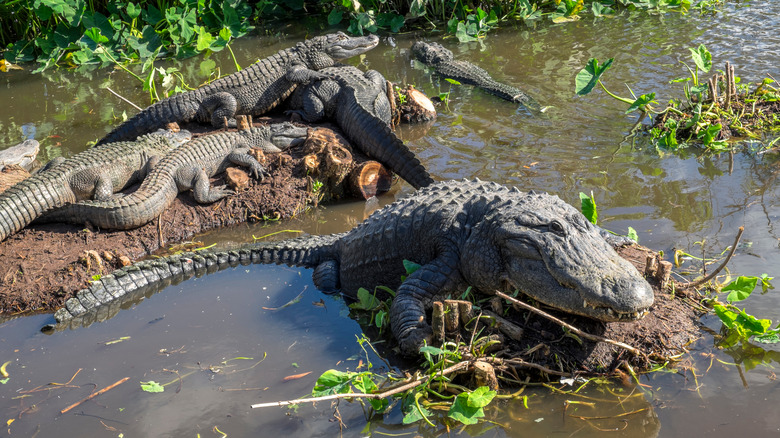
414,296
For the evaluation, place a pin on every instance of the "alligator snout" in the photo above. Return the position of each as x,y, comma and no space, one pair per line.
626,298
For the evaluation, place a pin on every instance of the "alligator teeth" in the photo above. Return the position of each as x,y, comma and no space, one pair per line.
610,312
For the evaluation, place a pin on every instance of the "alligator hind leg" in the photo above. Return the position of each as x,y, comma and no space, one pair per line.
326,277
219,107
201,186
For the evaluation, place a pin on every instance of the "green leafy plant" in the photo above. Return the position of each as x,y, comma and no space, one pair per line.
739,325
152,386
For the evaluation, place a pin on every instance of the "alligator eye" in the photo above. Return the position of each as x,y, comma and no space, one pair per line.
557,228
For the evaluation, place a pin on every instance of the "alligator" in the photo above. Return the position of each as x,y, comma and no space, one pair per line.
252,91
444,64
461,233
185,168
96,173
22,154
358,103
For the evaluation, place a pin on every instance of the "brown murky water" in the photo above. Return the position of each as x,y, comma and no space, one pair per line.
205,331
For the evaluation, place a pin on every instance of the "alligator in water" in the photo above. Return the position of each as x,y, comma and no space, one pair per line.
187,167
358,103
96,173
443,62
461,233
252,91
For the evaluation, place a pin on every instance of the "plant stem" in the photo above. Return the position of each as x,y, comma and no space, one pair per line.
614,96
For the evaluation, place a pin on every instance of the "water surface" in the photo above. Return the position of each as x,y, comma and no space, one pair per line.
581,145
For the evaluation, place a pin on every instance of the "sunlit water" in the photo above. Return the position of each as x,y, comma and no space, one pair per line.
189,330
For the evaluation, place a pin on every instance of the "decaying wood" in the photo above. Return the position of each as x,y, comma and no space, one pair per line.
437,323
505,326
417,107
236,178
369,178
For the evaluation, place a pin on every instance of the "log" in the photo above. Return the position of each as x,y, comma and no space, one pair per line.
369,178
416,107
236,178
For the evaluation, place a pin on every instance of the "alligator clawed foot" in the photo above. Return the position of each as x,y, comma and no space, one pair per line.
410,345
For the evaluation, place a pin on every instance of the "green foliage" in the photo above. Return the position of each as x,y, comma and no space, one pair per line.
739,325
590,76
588,207
152,386
75,33
467,407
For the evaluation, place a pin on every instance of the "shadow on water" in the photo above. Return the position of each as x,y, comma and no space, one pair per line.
205,330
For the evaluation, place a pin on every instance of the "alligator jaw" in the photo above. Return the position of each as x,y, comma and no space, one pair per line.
614,316
347,47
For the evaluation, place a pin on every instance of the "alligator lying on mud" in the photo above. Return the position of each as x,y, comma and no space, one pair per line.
460,232
96,173
252,91
358,103
443,62
22,154
187,167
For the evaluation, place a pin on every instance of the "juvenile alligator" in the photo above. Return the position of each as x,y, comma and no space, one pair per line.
96,173
22,154
252,91
443,62
460,232
187,167
358,103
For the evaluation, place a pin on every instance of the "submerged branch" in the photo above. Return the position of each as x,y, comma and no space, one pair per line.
396,390
712,274
575,330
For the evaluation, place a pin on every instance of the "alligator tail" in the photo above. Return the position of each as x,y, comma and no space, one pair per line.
29,199
149,276
181,108
381,144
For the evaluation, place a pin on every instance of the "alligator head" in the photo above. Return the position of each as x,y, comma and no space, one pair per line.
178,137
274,137
284,135
552,253
431,53
323,51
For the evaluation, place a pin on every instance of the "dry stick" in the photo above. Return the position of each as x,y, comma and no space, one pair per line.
517,362
398,389
577,331
131,103
95,394
712,275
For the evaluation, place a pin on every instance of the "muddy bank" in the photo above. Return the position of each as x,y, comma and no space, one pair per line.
44,264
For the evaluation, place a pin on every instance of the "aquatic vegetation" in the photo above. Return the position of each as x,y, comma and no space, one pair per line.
712,111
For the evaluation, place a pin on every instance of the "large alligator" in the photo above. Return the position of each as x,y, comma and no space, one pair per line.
96,173
358,103
252,91
460,232
443,62
187,167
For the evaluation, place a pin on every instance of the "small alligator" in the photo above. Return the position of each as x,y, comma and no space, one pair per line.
443,62
96,173
252,91
358,103
461,233
187,167
22,154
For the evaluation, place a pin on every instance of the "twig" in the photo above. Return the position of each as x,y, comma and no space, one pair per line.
517,362
569,326
119,96
398,389
95,394
712,275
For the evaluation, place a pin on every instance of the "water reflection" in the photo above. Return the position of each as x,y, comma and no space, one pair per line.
581,145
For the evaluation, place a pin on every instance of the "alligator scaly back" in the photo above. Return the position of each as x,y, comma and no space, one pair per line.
358,102
252,91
